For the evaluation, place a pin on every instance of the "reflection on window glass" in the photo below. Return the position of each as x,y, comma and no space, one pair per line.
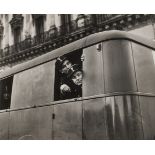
123,117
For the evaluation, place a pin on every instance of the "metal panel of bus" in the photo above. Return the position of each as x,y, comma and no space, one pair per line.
35,123
4,125
144,59
68,121
118,66
34,86
148,116
94,119
44,122
93,82
123,117
22,124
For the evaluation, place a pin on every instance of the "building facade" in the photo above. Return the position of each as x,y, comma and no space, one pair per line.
25,36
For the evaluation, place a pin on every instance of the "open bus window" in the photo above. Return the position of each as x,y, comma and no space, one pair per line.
5,93
68,76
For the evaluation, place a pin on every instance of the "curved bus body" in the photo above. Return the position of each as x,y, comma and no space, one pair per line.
118,93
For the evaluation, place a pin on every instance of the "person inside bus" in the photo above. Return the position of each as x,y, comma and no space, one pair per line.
75,74
65,86
64,64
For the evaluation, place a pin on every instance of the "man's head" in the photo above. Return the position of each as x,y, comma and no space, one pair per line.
64,64
76,74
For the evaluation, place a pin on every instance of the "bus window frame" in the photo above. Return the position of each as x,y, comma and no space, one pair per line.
10,78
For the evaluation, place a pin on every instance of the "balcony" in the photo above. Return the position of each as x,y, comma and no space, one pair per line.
56,37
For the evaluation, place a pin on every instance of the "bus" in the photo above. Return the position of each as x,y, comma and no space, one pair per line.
118,92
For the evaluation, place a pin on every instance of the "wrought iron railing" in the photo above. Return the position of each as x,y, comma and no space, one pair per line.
66,29
87,24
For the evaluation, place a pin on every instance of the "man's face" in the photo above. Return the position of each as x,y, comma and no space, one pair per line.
77,78
66,66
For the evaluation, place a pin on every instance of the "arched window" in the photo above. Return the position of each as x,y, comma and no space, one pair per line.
39,23
17,25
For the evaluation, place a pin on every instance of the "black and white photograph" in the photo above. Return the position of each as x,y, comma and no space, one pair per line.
77,77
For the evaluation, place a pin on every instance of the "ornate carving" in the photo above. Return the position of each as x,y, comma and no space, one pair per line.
81,20
27,35
52,30
17,21
6,50
1,29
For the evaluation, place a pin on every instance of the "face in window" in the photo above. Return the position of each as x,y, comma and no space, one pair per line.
77,78
66,66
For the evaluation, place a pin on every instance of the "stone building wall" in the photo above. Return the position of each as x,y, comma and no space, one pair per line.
62,26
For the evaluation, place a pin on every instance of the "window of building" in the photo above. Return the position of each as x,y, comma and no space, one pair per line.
39,24
16,26
65,23
68,76
17,35
5,93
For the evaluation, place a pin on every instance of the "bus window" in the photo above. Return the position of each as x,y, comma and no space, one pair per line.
68,76
5,93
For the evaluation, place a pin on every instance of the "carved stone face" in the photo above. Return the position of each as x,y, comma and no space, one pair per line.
77,78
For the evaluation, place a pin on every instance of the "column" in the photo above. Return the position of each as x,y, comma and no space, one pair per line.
50,21
11,39
31,26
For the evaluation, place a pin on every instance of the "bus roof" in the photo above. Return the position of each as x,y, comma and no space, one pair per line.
84,42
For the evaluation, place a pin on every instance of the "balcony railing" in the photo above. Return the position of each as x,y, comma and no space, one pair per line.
62,35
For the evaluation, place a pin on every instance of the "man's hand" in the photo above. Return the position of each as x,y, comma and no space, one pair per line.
82,57
65,89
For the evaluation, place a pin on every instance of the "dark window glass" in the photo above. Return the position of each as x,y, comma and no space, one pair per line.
65,23
39,23
5,93
17,35
62,79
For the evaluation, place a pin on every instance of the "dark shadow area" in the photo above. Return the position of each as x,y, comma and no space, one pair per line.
60,78
5,93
